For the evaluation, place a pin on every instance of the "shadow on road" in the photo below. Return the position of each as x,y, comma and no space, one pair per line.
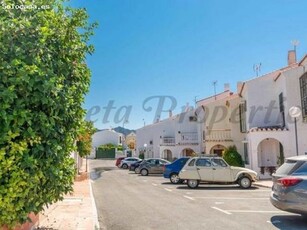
217,187
96,172
286,222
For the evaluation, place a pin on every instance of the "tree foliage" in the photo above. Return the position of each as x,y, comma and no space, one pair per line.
84,141
232,157
43,80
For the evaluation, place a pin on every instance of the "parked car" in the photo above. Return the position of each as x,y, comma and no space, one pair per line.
125,163
213,169
289,191
118,160
134,165
172,170
152,166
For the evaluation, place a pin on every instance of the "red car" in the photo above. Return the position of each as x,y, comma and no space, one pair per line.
118,160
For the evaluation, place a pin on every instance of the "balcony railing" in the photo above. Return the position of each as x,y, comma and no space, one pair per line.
190,138
168,141
218,135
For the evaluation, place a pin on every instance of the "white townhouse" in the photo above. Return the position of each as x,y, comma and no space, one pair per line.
221,123
174,137
103,137
271,133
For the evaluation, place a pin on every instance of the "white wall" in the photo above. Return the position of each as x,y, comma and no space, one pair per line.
105,137
152,135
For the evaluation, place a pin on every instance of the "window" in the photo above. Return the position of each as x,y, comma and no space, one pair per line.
246,156
301,170
303,86
191,163
242,113
203,162
218,162
282,109
192,118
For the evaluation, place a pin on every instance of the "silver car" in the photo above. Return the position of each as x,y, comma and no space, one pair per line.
289,191
152,166
125,163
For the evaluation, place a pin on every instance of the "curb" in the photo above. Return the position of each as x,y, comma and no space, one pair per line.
263,186
96,222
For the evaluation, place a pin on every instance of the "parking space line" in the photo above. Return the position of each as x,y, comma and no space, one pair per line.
232,198
154,184
221,210
188,197
254,211
167,189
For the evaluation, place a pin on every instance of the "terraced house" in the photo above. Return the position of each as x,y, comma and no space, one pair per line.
255,119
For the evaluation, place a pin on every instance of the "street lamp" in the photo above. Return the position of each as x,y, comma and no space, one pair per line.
295,112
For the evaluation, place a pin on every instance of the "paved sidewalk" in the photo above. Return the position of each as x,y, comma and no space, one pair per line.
76,212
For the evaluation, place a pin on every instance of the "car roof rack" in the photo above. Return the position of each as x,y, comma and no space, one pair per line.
209,155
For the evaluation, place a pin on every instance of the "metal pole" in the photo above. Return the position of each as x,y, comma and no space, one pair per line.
296,142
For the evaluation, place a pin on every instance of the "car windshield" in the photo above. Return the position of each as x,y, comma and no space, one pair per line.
191,163
218,162
302,170
288,167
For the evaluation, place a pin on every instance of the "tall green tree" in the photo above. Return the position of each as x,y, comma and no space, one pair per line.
43,81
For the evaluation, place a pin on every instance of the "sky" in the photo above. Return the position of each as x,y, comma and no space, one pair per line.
152,56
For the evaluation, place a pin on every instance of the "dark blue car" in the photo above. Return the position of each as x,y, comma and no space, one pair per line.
172,170
134,165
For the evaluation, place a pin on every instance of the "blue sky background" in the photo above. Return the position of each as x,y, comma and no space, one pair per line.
178,48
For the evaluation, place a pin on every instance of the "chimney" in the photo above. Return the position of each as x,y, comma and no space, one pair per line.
291,57
239,86
226,87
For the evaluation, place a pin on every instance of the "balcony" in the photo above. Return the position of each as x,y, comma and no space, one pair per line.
168,141
217,135
188,138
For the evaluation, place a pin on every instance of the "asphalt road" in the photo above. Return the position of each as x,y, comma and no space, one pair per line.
125,200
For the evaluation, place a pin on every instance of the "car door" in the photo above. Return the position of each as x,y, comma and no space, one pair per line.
160,166
204,169
151,165
221,170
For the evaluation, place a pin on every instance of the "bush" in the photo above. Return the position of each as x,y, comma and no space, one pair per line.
141,156
232,157
44,78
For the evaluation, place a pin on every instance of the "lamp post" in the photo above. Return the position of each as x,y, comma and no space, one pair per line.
295,112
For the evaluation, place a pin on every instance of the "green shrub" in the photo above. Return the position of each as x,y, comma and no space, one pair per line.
141,156
44,78
232,157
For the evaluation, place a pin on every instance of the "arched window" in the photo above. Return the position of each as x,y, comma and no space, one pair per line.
303,86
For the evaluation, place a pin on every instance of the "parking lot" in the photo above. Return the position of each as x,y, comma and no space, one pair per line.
126,200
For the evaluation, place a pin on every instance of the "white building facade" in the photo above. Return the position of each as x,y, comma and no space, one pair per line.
105,137
171,138
270,130
221,126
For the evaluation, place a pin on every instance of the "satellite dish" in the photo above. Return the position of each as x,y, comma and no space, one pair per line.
295,112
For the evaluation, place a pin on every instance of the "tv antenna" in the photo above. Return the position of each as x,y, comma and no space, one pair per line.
295,43
195,100
214,86
257,68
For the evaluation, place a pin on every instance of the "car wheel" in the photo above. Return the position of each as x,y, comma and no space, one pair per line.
136,170
125,166
144,172
174,178
193,183
245,182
